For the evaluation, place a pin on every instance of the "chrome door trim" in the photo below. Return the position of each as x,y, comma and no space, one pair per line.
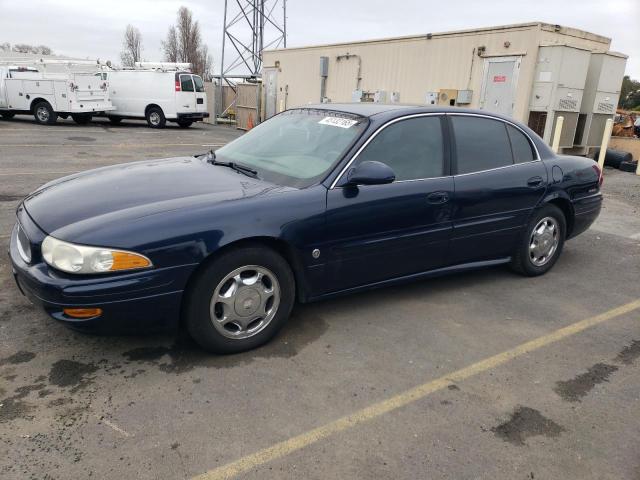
382,127
431,114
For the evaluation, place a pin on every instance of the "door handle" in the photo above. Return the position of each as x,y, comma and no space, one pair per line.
438,198
535,181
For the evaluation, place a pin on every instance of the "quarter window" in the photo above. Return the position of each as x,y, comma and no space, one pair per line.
481,144
522,151
413,148
186,84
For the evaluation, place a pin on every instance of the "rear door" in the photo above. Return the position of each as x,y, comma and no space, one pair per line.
380,232
201,96
498,181
186,96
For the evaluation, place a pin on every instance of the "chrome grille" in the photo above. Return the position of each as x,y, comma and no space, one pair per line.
23,244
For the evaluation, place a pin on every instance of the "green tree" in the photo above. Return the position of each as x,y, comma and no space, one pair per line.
629,93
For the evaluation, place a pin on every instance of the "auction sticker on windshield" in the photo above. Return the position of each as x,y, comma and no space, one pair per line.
338,122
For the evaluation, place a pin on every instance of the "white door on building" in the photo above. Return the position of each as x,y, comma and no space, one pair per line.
270,85
499,84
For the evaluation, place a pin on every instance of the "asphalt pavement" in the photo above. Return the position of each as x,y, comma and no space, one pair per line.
483,375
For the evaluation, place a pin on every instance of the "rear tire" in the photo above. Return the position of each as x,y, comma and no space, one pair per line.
115,120
155,117
44,114
7,115
542,242
82,118
185,123
240,300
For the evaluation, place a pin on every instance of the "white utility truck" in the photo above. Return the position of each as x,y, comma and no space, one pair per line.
157,92
47,96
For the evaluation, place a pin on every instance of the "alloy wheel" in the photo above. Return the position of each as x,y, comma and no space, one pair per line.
544,241
43,114
245,302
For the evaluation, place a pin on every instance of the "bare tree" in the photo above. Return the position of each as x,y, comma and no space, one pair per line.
25,48
170,45
184,44
43,50
131,47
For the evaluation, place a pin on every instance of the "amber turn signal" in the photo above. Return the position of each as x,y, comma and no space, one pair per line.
127,261
82,312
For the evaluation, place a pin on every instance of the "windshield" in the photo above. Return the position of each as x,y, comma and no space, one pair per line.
295,148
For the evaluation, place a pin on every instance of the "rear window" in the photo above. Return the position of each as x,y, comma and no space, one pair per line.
481,144
199,84
186,84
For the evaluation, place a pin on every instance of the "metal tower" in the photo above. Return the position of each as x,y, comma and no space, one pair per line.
250,26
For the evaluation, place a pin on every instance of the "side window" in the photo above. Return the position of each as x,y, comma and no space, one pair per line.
186,84
522,149
413,148
481,144
199,85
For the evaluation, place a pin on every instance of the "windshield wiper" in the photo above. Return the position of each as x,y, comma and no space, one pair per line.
238,167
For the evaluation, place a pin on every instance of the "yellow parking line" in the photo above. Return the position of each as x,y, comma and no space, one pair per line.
371,412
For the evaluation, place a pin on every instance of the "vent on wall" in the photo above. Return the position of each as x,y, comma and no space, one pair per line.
606,107
567,104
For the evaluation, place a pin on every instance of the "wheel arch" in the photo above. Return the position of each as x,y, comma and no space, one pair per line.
564,204
150,106
279,245
36,101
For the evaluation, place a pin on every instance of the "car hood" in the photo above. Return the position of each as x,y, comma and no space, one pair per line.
126,192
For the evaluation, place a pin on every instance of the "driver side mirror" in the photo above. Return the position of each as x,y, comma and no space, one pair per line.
370,173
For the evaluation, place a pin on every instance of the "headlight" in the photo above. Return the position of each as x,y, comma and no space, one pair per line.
82,259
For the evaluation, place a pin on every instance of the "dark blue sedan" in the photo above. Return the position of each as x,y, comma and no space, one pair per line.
315,202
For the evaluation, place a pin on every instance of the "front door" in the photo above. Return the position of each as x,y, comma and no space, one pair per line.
499,84
379,232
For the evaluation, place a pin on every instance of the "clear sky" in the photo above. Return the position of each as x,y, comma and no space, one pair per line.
94,29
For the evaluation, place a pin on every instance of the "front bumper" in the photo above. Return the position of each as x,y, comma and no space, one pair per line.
132,302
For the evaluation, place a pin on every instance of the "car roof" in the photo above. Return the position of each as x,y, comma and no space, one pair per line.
369,109
394,110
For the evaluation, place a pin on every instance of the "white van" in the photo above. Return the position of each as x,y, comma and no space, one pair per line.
47,96
157,96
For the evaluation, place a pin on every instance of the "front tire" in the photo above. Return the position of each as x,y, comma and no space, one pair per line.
115,120
542,242
240,300
155,117
44,114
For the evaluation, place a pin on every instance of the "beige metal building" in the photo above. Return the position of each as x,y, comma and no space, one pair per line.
514,70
